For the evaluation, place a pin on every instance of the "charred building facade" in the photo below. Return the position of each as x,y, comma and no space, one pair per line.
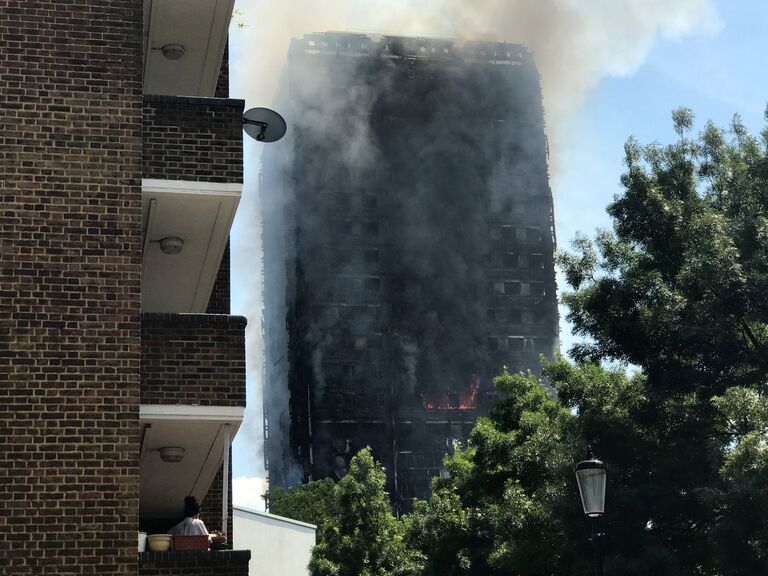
408,240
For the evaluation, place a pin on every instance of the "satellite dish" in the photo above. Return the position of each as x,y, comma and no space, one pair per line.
263,124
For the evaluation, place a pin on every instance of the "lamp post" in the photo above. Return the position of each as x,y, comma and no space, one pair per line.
591,476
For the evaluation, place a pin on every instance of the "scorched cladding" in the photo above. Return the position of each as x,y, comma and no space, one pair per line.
408,240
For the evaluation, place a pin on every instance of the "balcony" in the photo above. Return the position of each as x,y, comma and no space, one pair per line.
191,187
224,563
181,56
193,398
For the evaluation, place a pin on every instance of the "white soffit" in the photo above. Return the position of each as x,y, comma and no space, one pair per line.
200,214
200,26
197,429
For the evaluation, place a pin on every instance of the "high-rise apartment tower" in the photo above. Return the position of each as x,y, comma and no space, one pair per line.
408,238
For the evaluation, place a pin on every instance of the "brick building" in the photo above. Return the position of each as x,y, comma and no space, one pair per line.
408,242
121,161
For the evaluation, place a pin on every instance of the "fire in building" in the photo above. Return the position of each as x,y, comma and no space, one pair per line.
408,241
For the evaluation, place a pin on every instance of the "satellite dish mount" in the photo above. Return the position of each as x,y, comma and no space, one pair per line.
264,125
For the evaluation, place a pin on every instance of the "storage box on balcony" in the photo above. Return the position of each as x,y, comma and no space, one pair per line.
181,543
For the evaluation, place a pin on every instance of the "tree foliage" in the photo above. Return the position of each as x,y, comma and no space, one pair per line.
361,537
312,502
678,288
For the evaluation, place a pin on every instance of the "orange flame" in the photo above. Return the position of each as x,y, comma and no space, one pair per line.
464,400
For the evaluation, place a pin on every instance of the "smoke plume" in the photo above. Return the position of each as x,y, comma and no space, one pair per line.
575,43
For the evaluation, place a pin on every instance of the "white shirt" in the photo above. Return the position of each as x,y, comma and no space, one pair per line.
189,527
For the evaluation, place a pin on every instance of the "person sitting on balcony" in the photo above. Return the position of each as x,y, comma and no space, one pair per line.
191,525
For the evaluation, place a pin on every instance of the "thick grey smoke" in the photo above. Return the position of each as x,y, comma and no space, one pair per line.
575,43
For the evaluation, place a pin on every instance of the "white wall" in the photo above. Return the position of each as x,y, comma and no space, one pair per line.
279,546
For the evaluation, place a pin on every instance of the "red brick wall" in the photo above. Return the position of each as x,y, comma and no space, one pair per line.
198,139
210,508
222,84
193,359
219,302
227,563
70,272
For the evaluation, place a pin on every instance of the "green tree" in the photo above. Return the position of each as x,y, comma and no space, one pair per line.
312,502
678,289
499,511
361,537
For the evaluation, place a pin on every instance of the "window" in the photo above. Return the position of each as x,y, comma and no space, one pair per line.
510,260
373,284
536,262
537,289
532,234
515,343
508,233
512,288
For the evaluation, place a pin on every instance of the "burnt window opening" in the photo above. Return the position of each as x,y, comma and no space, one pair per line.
463,399
508,233
536,262
533,234
491,314
513,288
349,370
372,284
494,232
510,260
514,316
370,202
537,289
372,228
515,343
406,459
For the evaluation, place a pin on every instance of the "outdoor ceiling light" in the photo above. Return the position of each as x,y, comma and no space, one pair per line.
172,454
173,51
171,245
591,476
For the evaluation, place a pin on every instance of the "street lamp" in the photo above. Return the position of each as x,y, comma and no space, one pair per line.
591,476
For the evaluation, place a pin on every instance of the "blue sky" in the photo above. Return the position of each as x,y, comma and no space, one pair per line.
717,72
